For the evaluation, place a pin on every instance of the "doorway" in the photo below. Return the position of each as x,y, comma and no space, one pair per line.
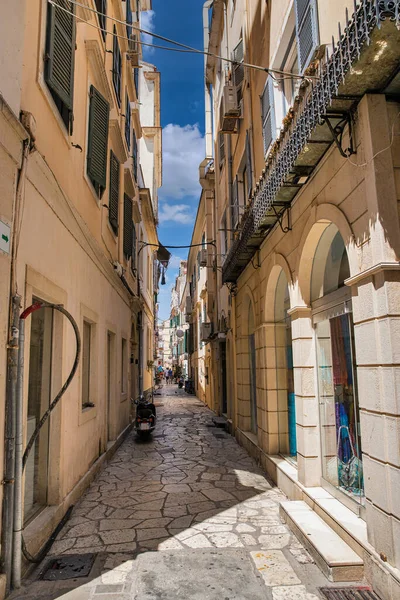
223,379
110,386
39,397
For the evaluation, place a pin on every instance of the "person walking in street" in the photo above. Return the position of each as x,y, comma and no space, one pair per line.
170,376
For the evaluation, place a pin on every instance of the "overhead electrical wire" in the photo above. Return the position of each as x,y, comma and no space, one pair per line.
183,48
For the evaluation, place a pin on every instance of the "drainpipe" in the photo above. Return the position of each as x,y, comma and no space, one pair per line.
19,438
11,388
9,467
207,88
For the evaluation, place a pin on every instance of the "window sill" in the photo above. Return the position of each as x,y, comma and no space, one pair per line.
48,97
91,188
86,414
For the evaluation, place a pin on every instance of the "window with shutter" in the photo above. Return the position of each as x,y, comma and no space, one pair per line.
128,122
249,165
306,31
99,110
101,6
128,227
135,155
114,192
129,19
134,246
268,114
117,67
221,148
136,81
60,57
234,205
238,69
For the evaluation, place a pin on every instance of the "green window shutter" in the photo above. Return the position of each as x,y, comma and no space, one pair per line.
134,244
114,192
101,6
128,227
97,138
136,81
128,122
117,67
135,156
129,19
60,51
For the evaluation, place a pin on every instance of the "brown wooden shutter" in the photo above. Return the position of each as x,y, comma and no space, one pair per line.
114,192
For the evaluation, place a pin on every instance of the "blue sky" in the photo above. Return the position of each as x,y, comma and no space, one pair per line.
182,119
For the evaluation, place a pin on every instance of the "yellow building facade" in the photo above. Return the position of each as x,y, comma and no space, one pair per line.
305,191
81,214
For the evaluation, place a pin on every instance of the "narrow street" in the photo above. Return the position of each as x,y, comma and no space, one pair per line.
186,514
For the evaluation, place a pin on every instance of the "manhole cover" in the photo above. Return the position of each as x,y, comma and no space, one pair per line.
349,593
69,566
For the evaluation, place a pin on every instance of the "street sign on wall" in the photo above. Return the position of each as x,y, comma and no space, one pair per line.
5,234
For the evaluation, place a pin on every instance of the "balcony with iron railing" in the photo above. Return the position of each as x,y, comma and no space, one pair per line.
366,58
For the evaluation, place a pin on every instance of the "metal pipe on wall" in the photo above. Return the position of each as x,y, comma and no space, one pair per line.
19,438
9,442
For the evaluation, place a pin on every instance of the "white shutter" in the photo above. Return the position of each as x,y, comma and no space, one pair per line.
234,204
268,114
249,165
306,31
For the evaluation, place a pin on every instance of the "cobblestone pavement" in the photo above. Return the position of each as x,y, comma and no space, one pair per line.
185,514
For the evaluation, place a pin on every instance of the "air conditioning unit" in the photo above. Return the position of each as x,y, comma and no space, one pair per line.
188,306
203,257
230,109
205,331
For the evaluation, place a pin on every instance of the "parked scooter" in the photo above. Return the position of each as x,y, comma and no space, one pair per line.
145,420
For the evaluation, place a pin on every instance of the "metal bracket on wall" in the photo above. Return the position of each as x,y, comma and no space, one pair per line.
279,217
338,130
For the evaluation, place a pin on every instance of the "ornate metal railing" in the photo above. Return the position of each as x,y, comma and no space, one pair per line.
367,15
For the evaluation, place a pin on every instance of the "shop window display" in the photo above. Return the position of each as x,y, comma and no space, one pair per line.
337,384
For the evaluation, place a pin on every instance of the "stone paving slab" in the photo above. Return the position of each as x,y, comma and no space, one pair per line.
184,514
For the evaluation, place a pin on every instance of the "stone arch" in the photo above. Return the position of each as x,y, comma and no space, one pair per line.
321,217
248,301
278,264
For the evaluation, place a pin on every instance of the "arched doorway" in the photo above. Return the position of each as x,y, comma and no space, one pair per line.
285,373
252,368
337,383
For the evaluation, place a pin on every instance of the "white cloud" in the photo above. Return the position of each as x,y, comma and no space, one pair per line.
178,213
175,261
183,151
148,24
